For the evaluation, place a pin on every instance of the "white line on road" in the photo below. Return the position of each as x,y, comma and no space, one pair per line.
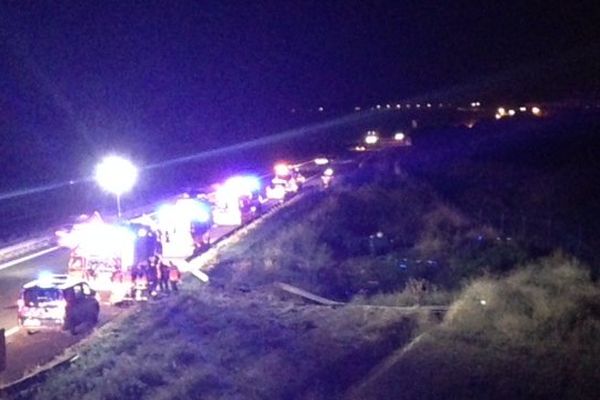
11,331
29,257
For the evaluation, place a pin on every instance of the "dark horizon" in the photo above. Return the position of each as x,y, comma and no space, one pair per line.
168,80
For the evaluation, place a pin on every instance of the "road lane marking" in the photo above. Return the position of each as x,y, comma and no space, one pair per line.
11,331
27,258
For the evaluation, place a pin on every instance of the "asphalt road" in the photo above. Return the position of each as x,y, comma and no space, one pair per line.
13,278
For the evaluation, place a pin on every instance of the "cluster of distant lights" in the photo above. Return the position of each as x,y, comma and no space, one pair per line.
429,105
399,106
502,112
388,106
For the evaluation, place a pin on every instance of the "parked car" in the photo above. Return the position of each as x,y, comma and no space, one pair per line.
56,302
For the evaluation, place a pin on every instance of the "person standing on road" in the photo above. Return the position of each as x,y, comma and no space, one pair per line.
152,276
174,276
135,275
164,276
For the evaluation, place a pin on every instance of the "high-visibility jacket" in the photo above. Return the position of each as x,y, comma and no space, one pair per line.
174,273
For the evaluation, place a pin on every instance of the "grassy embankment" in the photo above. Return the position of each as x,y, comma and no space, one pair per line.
213,344
531,335
379,237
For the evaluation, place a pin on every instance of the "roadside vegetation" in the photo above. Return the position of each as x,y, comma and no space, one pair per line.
377,237
534,181
213,344
532,334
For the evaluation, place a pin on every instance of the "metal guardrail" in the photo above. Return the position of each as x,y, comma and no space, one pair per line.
24,248
38,375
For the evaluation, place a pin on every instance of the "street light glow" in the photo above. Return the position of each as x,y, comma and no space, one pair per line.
116,175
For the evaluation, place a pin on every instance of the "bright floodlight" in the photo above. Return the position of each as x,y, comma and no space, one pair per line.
116,175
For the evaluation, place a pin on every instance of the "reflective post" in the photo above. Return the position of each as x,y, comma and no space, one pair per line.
2,350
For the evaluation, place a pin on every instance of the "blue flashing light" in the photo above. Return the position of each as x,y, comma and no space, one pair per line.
201,212
166,214
191,210
45,279
243,184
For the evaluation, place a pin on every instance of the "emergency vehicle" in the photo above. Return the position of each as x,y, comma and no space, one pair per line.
287,181
103,254
327,177
184,226
237,201
371,138
55,302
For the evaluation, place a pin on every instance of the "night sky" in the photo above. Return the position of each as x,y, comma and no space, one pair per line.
158,80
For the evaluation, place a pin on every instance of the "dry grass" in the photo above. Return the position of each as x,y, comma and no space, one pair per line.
213,344
535,335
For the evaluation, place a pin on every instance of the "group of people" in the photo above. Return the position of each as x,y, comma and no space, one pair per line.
155,275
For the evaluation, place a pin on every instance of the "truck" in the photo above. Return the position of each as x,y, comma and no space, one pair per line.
103,254
287,181
183,226
237,201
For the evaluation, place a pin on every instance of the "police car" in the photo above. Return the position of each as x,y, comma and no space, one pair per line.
56,302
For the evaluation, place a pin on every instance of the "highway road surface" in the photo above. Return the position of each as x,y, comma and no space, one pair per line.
13,277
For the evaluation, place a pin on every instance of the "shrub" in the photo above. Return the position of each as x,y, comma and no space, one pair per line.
415,292
547,303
